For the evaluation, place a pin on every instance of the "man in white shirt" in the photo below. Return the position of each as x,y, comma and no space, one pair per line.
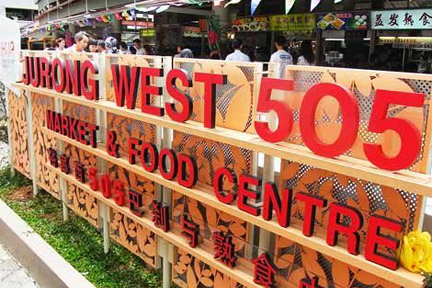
138,47
237,55
184,52
281,56
81,41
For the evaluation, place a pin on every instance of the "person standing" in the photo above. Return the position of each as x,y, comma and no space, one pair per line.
92,47
139,49
81,41
101,46
60,44
237,55
124,48
184,52
281,56
307,56
111,45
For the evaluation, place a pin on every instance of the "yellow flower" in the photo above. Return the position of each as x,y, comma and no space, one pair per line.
415,253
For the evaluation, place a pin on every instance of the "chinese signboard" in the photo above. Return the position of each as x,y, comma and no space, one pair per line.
148,32
293,22
112,144
251,24
401,19
138,23
343,21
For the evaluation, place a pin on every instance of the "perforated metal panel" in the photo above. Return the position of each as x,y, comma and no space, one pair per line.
356,82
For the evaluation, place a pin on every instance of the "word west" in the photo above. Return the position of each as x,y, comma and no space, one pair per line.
72,77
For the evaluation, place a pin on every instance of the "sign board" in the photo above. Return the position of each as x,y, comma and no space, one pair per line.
350,183
148,32
138,23
247,24
203,25
342,21
10,47
401,19
293,22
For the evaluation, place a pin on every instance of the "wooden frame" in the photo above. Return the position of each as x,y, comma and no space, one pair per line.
417,181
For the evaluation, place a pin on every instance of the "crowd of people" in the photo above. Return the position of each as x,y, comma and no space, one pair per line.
84,43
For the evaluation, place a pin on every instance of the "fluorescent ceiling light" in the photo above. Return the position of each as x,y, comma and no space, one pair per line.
335,39
162,8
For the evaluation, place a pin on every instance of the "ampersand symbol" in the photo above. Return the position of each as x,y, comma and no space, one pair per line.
112,147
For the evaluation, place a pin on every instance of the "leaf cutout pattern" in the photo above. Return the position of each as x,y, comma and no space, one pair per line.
83,204
19,133
133,236
234,100
41,143
190,272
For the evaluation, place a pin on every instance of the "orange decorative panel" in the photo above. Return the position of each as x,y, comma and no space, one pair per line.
19,132
190,272
137,239
41,143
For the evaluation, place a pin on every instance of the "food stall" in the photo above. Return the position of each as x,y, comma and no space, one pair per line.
344,38
255,34
406,34
296,28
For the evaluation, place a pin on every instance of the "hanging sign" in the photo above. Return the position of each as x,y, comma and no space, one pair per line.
148,32
138,23
246,24
401,19
10,47
293,22
342,21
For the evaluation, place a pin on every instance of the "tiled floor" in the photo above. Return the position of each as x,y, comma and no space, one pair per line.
12,274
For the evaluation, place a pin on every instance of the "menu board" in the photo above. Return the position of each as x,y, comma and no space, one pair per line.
246,24
293,22
343,21
148,32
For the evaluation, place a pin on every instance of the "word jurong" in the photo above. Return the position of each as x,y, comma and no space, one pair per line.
72,77
77,78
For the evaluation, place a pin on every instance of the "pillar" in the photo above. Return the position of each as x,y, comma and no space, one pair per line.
116,28
72,29
224,17
377,4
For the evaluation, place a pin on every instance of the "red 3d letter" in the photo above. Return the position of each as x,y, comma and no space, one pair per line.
147,89
218,184
336,226
311,203
184,100
375,238
210,82
283,112
350,119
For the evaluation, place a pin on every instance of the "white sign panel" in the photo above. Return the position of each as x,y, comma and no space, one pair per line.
401,19
10,49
